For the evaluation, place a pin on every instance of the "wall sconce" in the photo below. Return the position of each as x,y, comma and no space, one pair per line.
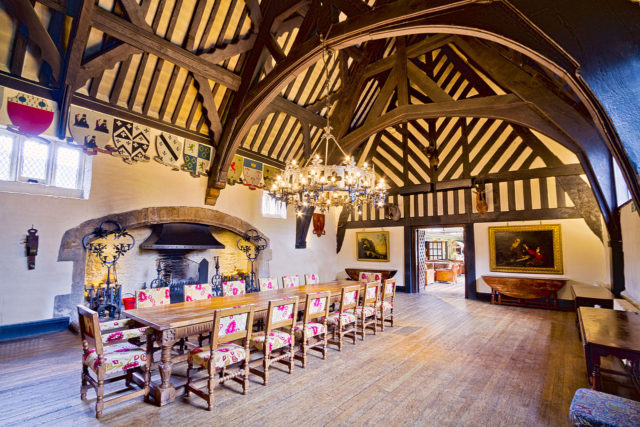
31,245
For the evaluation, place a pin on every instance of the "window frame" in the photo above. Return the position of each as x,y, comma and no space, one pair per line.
280,208
17,183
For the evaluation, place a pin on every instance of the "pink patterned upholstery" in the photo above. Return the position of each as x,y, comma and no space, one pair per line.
282,312
371,292
117,324
318,305
152,297
117,358
232,324
198,292
370,277
276,340
223,356
312,329
290,281
268,283
386,305
236,287
350,298
368,311
125,334
347,318
311,279
388,287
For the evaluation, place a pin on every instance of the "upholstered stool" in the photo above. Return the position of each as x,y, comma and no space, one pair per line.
593,408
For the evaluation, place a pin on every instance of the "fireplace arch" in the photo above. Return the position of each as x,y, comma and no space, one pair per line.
71,244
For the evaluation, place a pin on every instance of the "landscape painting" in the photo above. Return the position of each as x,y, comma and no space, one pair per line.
526,249
372,245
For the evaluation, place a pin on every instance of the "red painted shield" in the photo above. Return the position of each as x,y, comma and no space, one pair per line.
31,114
318,224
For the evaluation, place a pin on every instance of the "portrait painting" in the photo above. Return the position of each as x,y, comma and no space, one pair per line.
526,249
372,245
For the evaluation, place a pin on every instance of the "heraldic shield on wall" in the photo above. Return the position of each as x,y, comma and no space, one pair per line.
252,174
132,141
91,130
234,176
32,115
169,148
197,157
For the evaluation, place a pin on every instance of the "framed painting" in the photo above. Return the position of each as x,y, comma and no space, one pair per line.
526,249
372,245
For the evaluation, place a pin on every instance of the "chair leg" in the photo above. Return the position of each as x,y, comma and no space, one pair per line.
265,364
245,383
85,384
381,320
304,354
375,323
210,385
363,327
100,397
291,358
187,389
325,345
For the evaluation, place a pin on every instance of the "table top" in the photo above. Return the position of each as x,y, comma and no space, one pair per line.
194,312
591,291
610,328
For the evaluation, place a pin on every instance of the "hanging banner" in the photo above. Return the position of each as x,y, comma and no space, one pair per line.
91,130
169,150
270,174
318,224
234,176
197,157
132,141
32,115
252,174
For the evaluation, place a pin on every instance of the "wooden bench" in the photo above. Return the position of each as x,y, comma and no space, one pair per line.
594,408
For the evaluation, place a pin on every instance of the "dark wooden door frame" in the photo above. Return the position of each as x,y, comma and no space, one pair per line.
410,257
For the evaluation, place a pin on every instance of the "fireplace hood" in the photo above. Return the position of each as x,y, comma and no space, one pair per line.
181,236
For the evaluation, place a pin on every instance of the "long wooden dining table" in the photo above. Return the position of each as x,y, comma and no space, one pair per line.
172,322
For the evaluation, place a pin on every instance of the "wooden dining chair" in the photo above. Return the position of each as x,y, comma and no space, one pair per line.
367,277
198,292
366,313
311,333
342,323
230,360
385,306
311,279
233,288
109,363
290,281
268,284
153,297
280,315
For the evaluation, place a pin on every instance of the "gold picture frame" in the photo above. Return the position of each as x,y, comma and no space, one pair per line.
526,249
372,246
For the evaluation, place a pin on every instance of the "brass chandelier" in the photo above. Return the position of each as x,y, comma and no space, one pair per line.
322,185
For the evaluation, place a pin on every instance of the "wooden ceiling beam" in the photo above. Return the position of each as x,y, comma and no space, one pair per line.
25,14
209,106
144,39
428,86
413,51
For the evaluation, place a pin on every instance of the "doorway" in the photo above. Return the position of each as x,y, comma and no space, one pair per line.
440,260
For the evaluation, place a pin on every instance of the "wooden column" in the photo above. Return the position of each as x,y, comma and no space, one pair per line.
469,263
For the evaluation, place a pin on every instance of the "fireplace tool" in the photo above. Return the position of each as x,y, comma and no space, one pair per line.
216,280
116,242
252,246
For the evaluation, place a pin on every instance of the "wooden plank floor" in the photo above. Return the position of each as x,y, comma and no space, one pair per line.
448,361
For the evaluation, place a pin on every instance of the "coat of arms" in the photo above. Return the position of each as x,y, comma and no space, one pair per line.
252,174
91,130
32,115
169,148
234,176
270,174
132,141
197,157
318,224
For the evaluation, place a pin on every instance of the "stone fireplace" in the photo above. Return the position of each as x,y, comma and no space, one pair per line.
138,268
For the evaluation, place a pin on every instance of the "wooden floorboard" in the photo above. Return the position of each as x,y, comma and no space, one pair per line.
448,361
